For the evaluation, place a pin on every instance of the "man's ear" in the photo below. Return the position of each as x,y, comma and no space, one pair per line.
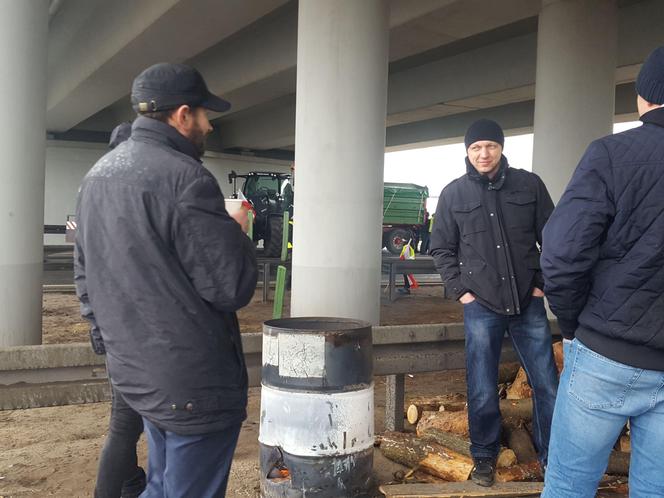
181,118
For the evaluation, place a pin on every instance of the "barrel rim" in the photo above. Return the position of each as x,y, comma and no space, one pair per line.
294,325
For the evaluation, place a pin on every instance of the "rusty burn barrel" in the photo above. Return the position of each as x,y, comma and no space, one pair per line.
317,416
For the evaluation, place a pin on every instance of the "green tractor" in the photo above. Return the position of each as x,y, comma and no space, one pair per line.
271,194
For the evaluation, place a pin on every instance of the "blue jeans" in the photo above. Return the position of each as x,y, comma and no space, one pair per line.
596,397
189,466
531,337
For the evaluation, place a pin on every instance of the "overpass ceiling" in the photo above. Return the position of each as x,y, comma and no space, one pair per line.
247,53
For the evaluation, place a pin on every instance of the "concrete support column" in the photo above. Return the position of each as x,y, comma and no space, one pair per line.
342,58
575,84
23,47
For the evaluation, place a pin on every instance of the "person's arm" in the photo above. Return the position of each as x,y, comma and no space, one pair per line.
444,247
215,253
82,292
573,234
544,208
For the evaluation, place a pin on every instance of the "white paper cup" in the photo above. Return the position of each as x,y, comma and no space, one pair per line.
233,205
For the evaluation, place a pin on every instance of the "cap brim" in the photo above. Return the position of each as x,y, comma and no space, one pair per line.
216,104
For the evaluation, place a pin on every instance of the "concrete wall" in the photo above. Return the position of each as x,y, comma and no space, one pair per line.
68,162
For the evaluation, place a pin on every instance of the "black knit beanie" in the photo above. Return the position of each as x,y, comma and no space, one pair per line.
484,129
650,82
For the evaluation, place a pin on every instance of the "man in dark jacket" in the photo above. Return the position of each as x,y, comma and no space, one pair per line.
160,269
119,474
485,246
603,264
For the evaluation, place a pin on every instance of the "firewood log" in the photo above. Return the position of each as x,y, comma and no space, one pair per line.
517,408
618,463
461,445
507,372
415,410
558,355
514,412
519,440
520,389
426,455
522,472
454,422
625,444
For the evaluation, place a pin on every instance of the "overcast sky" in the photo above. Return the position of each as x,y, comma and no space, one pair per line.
437,166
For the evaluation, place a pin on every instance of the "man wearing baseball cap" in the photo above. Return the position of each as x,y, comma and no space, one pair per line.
484,244
603,264
160,270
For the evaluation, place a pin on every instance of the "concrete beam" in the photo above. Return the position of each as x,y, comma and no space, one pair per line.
92,68
270,127
444,87
516,117
451,85
257,65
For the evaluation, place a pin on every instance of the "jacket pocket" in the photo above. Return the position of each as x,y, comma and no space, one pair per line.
519,211
597,382
470,218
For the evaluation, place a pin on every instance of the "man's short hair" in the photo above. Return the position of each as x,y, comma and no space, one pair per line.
158,115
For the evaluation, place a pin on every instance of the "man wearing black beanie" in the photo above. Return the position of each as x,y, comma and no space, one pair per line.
603,264
485,244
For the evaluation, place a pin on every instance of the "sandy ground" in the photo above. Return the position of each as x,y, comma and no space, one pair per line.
62,322
54,451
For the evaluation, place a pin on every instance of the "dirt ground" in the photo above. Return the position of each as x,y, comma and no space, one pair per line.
62,322
54,451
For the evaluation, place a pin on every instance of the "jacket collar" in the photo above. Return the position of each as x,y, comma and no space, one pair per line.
497,182
150,130
656,116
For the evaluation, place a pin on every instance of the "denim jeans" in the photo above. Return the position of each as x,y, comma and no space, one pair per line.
119,473
189,466
531,337
596,397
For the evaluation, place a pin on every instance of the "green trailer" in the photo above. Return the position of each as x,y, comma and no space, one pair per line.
271,193
404,213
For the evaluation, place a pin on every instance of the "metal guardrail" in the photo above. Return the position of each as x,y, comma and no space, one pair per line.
60,374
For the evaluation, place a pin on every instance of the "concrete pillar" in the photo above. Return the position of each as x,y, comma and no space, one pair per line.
574,86
339,148
23,46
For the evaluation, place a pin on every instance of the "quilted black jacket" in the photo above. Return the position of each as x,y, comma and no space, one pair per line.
160,269
603,258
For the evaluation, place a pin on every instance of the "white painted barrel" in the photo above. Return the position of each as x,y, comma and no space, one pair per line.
317,417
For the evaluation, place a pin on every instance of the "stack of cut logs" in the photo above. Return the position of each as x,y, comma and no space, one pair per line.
440,446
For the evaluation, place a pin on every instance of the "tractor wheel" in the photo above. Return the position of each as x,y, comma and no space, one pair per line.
396,239
274,237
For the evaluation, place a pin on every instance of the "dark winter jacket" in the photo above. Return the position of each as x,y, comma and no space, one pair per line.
486,234
603,257
160,269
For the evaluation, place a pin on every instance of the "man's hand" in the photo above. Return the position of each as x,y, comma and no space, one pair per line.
467,298
538,292
242,217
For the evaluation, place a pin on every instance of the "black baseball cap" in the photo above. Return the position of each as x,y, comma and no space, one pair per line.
167,86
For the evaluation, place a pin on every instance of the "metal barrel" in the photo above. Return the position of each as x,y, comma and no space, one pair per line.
317,415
